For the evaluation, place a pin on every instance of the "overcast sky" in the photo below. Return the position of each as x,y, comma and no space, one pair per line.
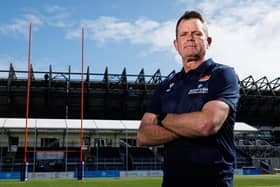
137,34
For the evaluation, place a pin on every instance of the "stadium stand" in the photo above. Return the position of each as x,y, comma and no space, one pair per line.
144,159
106,158
115,97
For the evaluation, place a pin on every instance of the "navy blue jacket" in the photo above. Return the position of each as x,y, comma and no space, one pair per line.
209,157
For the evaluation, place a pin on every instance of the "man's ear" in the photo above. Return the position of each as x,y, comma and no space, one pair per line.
175,44
209,41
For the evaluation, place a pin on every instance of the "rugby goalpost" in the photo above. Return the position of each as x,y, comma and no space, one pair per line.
24,168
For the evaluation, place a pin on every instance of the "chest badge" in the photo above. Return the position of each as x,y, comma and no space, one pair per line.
204,78
202,87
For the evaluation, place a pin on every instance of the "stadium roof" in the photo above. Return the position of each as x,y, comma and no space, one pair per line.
69,123
17,123
240,126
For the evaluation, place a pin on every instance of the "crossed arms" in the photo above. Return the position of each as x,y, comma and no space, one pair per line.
203,123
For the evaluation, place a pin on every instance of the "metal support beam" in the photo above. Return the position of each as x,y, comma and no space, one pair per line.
141,77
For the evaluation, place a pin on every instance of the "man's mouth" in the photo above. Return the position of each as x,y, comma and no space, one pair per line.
189,46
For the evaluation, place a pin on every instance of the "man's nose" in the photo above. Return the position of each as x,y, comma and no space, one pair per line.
189,36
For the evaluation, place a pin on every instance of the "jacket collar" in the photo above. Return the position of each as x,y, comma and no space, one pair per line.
200,70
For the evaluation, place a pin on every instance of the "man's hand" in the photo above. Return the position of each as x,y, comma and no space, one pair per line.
150,133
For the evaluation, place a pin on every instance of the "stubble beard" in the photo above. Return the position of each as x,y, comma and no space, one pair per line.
195,57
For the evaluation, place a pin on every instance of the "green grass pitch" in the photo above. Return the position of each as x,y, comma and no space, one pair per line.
239,181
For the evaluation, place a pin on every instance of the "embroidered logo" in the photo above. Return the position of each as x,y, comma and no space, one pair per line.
199,90
204,78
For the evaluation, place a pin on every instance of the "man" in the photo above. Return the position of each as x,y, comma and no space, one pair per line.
193,113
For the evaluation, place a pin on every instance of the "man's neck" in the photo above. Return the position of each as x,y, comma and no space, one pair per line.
190,65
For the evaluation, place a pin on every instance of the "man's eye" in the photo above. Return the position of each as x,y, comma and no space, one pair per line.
183,34
197,33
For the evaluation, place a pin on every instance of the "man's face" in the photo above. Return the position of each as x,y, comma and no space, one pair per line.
191,42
